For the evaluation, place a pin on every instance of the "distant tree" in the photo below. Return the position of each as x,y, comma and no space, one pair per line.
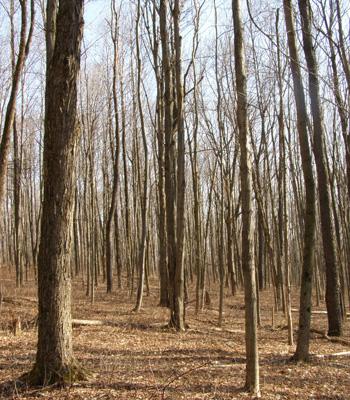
18,65
115,184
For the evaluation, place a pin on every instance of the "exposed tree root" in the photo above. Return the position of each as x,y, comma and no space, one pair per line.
66,375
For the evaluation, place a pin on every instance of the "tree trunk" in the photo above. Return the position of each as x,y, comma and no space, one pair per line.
113,204
179,284
327,230
251,331
302,351
54,359
144,199
23,51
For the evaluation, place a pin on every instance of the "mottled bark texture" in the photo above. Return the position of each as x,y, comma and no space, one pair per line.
54,359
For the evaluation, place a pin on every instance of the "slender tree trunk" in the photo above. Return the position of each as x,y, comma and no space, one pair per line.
251,331
179,298
23,51
302,350
144,200
282,187
332,271
169,160
113,204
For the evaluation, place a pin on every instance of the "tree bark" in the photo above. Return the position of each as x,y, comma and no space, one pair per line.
327,229
55,361
115,185
302,350
251,331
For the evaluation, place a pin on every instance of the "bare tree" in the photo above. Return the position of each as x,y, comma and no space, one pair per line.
332,271
23,51
55,361
302,351
251,331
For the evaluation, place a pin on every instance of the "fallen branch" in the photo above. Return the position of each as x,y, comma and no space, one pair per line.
17,300
331,355
227,330
97,322
179,376
92,322
317,312
332,339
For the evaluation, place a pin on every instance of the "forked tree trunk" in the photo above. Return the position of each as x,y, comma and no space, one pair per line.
55,361
282,191
302,351
332,270
174,167
162,245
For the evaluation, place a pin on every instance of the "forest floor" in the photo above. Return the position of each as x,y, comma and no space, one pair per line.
137,358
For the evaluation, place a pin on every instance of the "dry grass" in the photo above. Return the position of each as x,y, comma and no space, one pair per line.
139,359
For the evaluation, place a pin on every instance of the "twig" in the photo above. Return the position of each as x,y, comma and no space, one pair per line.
177,377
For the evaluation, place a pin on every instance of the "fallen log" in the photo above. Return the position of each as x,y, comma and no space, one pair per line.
317,312
97,322
332,339
89,322
17,300
331,355
92,322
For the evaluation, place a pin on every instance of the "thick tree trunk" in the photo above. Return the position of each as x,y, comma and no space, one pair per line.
54,359
174,219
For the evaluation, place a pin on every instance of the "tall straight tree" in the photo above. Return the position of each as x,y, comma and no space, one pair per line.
115,184
23,51
250,298
144,198
174,177
332,271
179,284
302,351
55,361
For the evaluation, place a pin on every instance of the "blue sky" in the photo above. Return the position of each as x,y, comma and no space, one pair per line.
95,12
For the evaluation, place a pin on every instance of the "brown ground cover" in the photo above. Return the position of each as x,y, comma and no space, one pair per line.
136,358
